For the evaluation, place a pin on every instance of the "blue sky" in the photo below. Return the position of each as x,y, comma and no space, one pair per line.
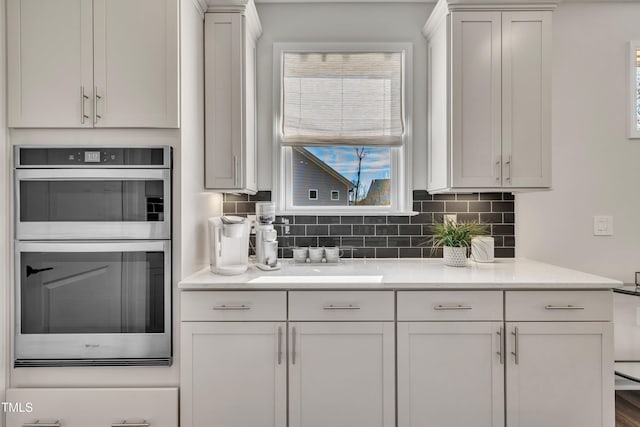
376,164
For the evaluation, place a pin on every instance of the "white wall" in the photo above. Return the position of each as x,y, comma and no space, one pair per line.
362,22
596,169
5,239
196,204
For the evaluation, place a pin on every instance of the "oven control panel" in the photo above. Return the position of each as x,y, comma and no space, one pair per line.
92,157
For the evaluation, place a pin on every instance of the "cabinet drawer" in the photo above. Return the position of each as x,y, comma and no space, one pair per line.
98,407
341,305
234,305
559,305
449,305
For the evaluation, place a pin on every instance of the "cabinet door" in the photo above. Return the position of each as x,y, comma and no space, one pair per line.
443,365
136,63
233,374
223,100
560,374
476,99
49,63
526,99
341,374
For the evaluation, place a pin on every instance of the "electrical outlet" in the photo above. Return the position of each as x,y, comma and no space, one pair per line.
451,218
603,225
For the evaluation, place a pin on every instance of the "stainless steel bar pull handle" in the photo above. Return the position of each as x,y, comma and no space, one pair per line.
235,170
452,307
96,98
279,345
124,423
498,163
83,98
232,307
341,307
563,307
293,345
515,345
500,352
37,423
508,163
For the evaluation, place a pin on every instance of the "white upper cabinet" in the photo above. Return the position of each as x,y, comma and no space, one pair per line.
136,63
526,99
230,97
49,63
100,63
489,99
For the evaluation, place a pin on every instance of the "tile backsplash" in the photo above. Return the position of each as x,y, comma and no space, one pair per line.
390,236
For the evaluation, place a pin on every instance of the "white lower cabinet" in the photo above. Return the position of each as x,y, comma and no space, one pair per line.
235,374
450,359
95,407
464,358
551,360
341,374
560,374
450,374
234,359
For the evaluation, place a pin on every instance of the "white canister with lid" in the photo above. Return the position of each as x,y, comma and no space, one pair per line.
482,249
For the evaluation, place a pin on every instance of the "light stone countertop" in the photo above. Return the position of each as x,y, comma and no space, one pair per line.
388,274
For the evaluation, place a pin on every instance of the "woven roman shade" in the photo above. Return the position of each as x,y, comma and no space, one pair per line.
339,98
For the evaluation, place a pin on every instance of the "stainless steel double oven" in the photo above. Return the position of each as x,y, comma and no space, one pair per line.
92,256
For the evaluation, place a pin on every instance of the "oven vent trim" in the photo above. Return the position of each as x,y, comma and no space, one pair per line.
56,363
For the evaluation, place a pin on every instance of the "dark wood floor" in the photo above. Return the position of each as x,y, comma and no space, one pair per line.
628,409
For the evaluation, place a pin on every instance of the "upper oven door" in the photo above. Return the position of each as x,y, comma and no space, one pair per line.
93,204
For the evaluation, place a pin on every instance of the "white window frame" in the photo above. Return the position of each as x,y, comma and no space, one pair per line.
401,157
309,193
634,132
335,192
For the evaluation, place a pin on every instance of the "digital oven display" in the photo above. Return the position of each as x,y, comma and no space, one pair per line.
92,157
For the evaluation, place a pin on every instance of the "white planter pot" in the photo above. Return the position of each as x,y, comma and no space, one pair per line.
455,256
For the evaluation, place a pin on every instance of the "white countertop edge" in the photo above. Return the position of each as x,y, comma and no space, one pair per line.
505,274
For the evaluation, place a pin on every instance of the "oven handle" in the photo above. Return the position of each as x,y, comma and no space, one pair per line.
91,174
94,246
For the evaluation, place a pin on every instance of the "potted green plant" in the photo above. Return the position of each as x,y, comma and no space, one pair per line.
455,238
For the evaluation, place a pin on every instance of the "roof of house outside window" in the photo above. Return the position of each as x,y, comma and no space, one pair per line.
325,167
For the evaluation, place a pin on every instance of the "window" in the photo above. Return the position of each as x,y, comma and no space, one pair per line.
634,89
342,125
313,194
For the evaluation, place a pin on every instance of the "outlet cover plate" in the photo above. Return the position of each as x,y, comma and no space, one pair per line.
603,225
452,218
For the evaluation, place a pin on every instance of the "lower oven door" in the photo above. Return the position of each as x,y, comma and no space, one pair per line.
93,303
